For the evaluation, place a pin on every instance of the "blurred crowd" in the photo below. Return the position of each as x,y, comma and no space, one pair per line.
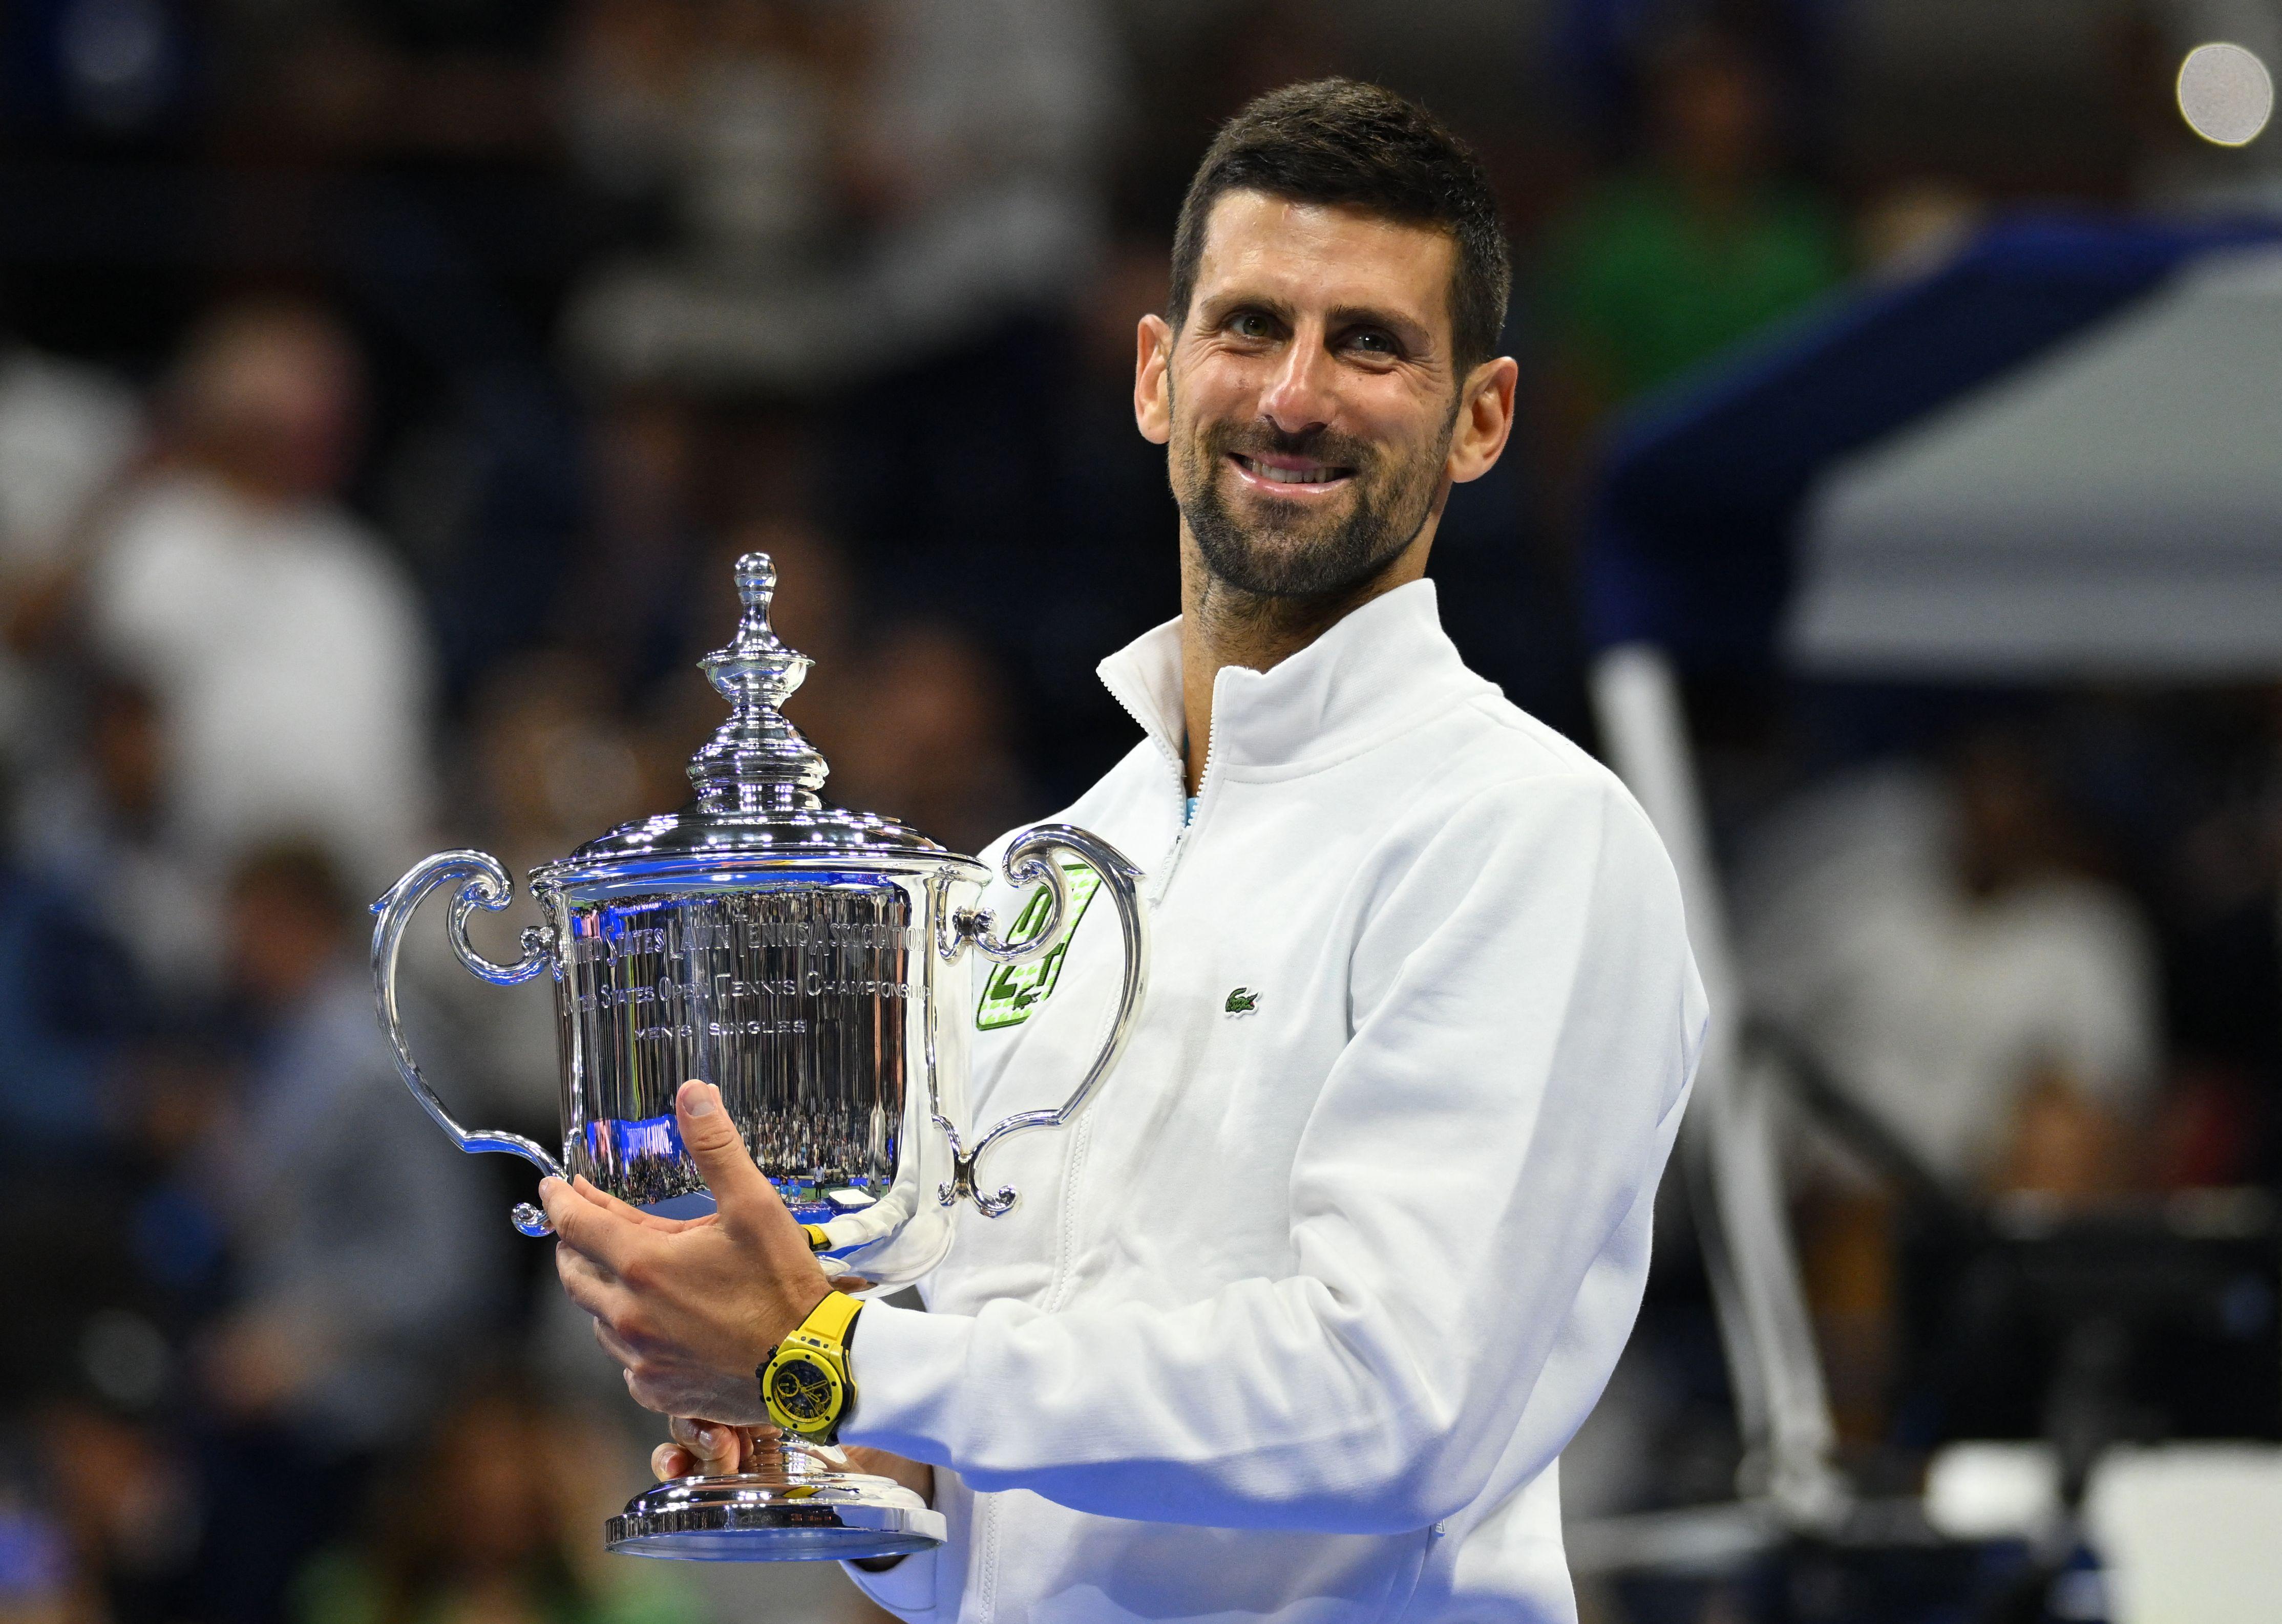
387,389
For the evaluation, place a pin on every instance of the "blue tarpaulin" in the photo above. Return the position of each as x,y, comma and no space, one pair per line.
1692,529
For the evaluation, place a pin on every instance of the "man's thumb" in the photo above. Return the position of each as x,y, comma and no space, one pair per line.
713,1143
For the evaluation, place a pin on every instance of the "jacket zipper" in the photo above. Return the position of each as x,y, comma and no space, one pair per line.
1179,769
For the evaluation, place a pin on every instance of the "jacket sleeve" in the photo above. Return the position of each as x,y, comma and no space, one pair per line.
1472,1190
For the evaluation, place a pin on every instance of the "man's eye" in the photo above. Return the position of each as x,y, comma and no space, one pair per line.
1253,324
1372,341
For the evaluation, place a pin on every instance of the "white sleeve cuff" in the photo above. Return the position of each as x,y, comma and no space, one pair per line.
907,1365
906,1589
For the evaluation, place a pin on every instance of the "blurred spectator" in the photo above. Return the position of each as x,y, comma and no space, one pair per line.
723,112
981,145
494,1518
121,1493
725,117
364,1240
365,1249
69,1002
1934,940
933,748
466,81
285,646
549,763
97,824
850,186
67,433
635,573
1663,266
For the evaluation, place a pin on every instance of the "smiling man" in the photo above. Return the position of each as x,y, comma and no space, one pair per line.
1296,1321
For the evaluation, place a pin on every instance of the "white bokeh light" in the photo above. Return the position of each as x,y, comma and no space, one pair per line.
2225,94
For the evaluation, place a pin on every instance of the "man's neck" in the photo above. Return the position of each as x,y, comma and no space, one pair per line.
1223,625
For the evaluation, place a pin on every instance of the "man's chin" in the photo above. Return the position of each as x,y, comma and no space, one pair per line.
1277,567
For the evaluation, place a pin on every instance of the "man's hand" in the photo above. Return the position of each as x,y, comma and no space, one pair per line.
708,1448
690,1307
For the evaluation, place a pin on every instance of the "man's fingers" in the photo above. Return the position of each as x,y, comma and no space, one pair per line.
587,1286
716,1449
584,1224
634,1215
617,1347
668,1461
718,1149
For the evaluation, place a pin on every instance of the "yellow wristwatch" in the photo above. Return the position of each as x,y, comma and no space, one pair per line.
805,1380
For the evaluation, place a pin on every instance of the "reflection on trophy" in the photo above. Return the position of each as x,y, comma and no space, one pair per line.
814,964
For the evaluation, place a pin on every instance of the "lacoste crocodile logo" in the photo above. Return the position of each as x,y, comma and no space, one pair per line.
1243,1001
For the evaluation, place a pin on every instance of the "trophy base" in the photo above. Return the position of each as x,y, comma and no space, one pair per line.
775,1517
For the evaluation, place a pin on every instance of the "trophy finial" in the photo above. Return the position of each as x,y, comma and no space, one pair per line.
756,760
756,581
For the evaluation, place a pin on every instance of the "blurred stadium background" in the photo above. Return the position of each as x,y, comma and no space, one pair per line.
387,388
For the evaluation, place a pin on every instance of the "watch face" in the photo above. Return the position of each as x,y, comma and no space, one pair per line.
802,1389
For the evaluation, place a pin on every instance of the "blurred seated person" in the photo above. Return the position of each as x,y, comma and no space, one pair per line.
1934,939
365,1249
547,762
929,738
846,189
95,821
464,1531
67,435
363,1238
69,1003
1929,936
1667,263
285,643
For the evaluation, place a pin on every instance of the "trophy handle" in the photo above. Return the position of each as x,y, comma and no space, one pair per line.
1027,861
483,884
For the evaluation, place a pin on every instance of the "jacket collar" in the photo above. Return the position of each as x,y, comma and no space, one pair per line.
1377,672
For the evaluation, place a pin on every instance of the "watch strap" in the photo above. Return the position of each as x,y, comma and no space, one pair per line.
829,1320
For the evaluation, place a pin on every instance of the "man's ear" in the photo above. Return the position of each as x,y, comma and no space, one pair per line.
1153,387
1485,420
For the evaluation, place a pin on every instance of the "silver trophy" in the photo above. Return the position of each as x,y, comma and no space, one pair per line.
815,964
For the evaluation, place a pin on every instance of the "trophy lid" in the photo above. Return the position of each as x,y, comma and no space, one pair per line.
756,778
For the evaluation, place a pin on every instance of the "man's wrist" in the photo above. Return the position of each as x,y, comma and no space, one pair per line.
806,1385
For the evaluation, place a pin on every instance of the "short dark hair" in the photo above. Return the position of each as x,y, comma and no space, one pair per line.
1342,142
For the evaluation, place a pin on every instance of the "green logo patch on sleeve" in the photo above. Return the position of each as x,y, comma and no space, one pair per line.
1013,991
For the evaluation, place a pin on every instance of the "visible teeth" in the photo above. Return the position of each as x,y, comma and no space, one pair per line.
1293,476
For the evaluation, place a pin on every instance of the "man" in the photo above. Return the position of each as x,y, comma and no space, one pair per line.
284,642
1295,1320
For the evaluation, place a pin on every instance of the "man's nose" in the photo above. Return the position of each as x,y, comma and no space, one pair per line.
1298,395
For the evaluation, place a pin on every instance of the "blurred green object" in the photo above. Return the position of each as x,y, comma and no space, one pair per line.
345,1586
1641,283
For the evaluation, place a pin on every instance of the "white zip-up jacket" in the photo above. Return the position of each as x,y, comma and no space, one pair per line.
1295,1320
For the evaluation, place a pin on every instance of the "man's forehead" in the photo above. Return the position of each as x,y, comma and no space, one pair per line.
1327,254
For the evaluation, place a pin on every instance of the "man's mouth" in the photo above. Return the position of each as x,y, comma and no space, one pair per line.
1289,475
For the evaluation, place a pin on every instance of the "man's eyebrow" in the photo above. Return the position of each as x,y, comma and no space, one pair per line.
1214,307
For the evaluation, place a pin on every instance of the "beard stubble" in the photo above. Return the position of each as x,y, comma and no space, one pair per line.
1286,554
